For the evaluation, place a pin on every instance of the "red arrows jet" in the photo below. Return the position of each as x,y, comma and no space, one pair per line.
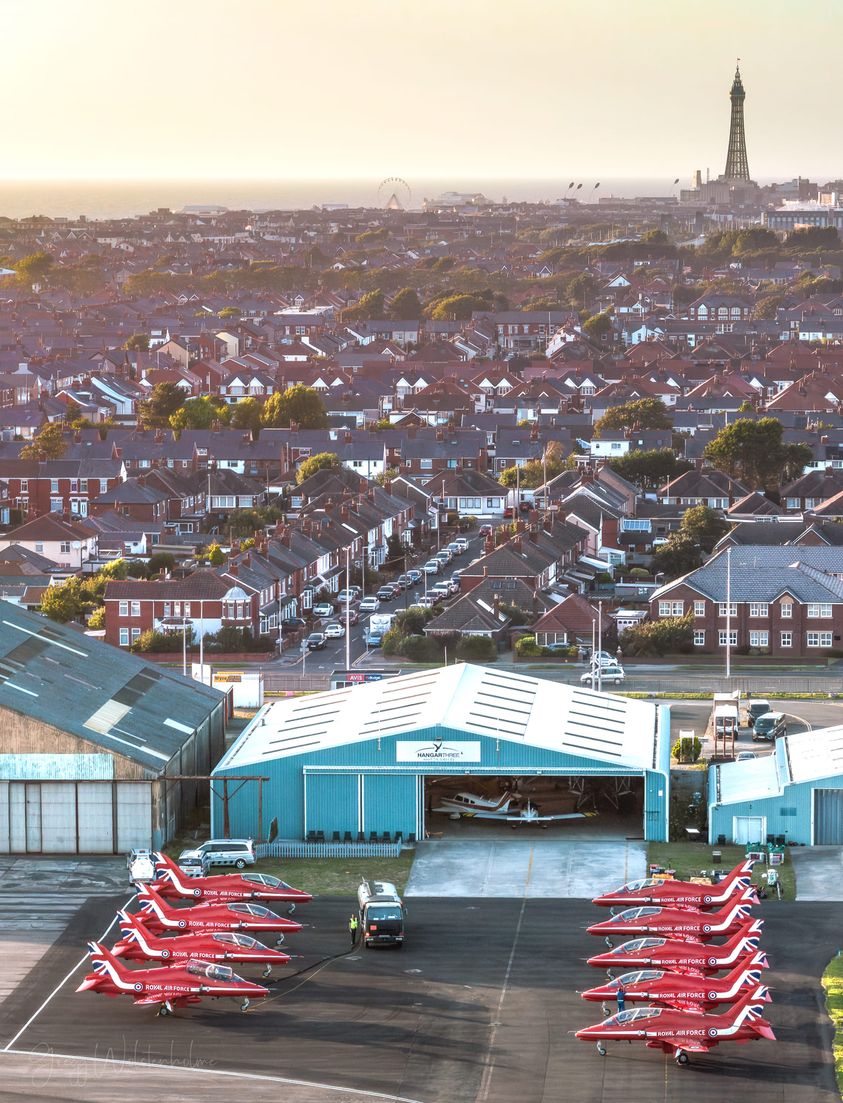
684,991
679,953
675,922
171,882
680,894
159,916
169,987
138,944
684,1032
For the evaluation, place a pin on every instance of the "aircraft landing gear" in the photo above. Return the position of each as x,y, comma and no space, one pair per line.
610,974
166,1008
609,942
605,1010
267,970
601,1049
291,909
681,1057
244,1006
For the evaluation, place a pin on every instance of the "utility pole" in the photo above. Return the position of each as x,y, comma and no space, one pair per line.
348,608
599,645
729,612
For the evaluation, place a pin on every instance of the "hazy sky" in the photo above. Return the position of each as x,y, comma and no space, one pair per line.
434,88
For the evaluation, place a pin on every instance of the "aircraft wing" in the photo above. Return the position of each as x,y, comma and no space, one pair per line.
151,999
547,819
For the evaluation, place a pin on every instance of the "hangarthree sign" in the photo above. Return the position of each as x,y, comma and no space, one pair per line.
437,750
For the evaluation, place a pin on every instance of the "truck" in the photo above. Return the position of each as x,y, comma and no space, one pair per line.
380,623
382,914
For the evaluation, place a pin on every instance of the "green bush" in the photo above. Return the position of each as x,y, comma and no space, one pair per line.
160,642
477,649
527,647
422,649
669,636
392,641
639,572
687,750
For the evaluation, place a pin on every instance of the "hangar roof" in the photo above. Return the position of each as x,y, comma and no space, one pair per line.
95,691
479,700
804,757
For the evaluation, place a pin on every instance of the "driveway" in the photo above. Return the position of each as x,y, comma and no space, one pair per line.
526,867
819,872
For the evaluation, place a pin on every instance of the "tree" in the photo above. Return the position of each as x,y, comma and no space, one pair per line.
650,469
394,552
598,327
200,413
47,444
161,561
316,463
581,289
754,453
809,237
163,401
406,304
704,526
298,404
246,414
660,637
754,238
768,306
635,416
367,306
229,312
137,341
214,555
34,268
97,618
66,601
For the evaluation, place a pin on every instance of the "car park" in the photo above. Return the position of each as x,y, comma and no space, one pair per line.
323,609
315,641
370,604
432,566
334,630
769,726
222,852
385,593
608,675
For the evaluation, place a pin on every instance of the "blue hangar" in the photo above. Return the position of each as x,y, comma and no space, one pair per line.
796,793
359,759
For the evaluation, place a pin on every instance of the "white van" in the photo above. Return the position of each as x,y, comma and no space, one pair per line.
222,852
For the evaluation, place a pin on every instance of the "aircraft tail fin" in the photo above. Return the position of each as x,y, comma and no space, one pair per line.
129,924
104,965
741,873
750,1007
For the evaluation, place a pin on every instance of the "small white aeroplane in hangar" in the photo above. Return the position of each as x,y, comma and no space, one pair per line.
509,807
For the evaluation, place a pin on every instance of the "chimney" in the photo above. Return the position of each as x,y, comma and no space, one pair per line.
496,605
370,494
348,438
247,559
440,434
485,572
534,536
232,569
388,486
516,543
329,505
344,514
159,436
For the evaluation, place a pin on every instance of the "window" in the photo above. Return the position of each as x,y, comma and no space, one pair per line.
135,634
786,639
136,609
103,486
177,609
56,505
64,547
730,638
635,524
123,609
493,503
83,486
819,639
124,637
168,609
822,611
759,639
24,486
699,608
54,486
187,608
699,638
671,608
731,612
759,609
39,548
787,610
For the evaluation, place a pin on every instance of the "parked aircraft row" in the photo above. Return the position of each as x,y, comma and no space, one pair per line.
673,966
193,942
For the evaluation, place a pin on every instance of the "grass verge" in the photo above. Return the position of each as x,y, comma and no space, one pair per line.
338,876
833,985
689,858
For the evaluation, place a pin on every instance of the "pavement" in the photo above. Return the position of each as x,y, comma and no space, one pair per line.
538,867
479,1007
819,872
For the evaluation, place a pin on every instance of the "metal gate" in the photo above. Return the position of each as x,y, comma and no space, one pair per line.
828,817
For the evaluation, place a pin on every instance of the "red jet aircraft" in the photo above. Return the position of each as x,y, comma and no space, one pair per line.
679,894
684,1032
169,987
679,953
172,882
138,944
684,991
675,922
159,916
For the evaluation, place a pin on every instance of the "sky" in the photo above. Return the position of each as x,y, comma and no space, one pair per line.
543,89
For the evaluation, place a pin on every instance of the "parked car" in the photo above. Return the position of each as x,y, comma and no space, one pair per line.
324,609
769,727
462,541
315,641
609,675
353,616
755,708
403,581
386,593
485,530
432,566
745,756
441,590
292,624
370,604
555,648
223,852
455,578
397,588
456,548
334,630
373,639
347,595
414,575
426,601
602,657
443,555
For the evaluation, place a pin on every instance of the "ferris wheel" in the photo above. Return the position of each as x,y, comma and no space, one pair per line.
394,193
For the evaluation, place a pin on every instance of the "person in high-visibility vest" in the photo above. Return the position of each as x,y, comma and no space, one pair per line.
353,924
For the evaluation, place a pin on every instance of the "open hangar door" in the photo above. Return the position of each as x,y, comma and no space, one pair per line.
593,806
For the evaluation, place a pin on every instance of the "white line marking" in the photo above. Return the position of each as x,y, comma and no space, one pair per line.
214,1072
808,727
486,1081
8,1048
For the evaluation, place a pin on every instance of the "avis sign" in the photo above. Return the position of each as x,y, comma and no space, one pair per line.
437,750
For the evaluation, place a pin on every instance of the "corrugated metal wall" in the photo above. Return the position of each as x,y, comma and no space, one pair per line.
394,801
332,803
791,814
74,817
828,817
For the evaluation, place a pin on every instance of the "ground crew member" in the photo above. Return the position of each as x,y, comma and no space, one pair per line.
352,928
621,998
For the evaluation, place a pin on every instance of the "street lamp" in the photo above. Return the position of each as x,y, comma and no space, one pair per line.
348,608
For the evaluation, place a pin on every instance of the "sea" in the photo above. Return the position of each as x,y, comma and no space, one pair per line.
125,198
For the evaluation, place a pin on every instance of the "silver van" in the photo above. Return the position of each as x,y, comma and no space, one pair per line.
222,852
769,726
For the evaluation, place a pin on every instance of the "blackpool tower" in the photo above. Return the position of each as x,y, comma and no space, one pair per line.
737,165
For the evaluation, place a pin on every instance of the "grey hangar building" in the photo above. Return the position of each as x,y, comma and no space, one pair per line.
361,761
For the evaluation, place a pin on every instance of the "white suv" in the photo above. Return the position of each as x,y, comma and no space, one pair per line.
223,852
